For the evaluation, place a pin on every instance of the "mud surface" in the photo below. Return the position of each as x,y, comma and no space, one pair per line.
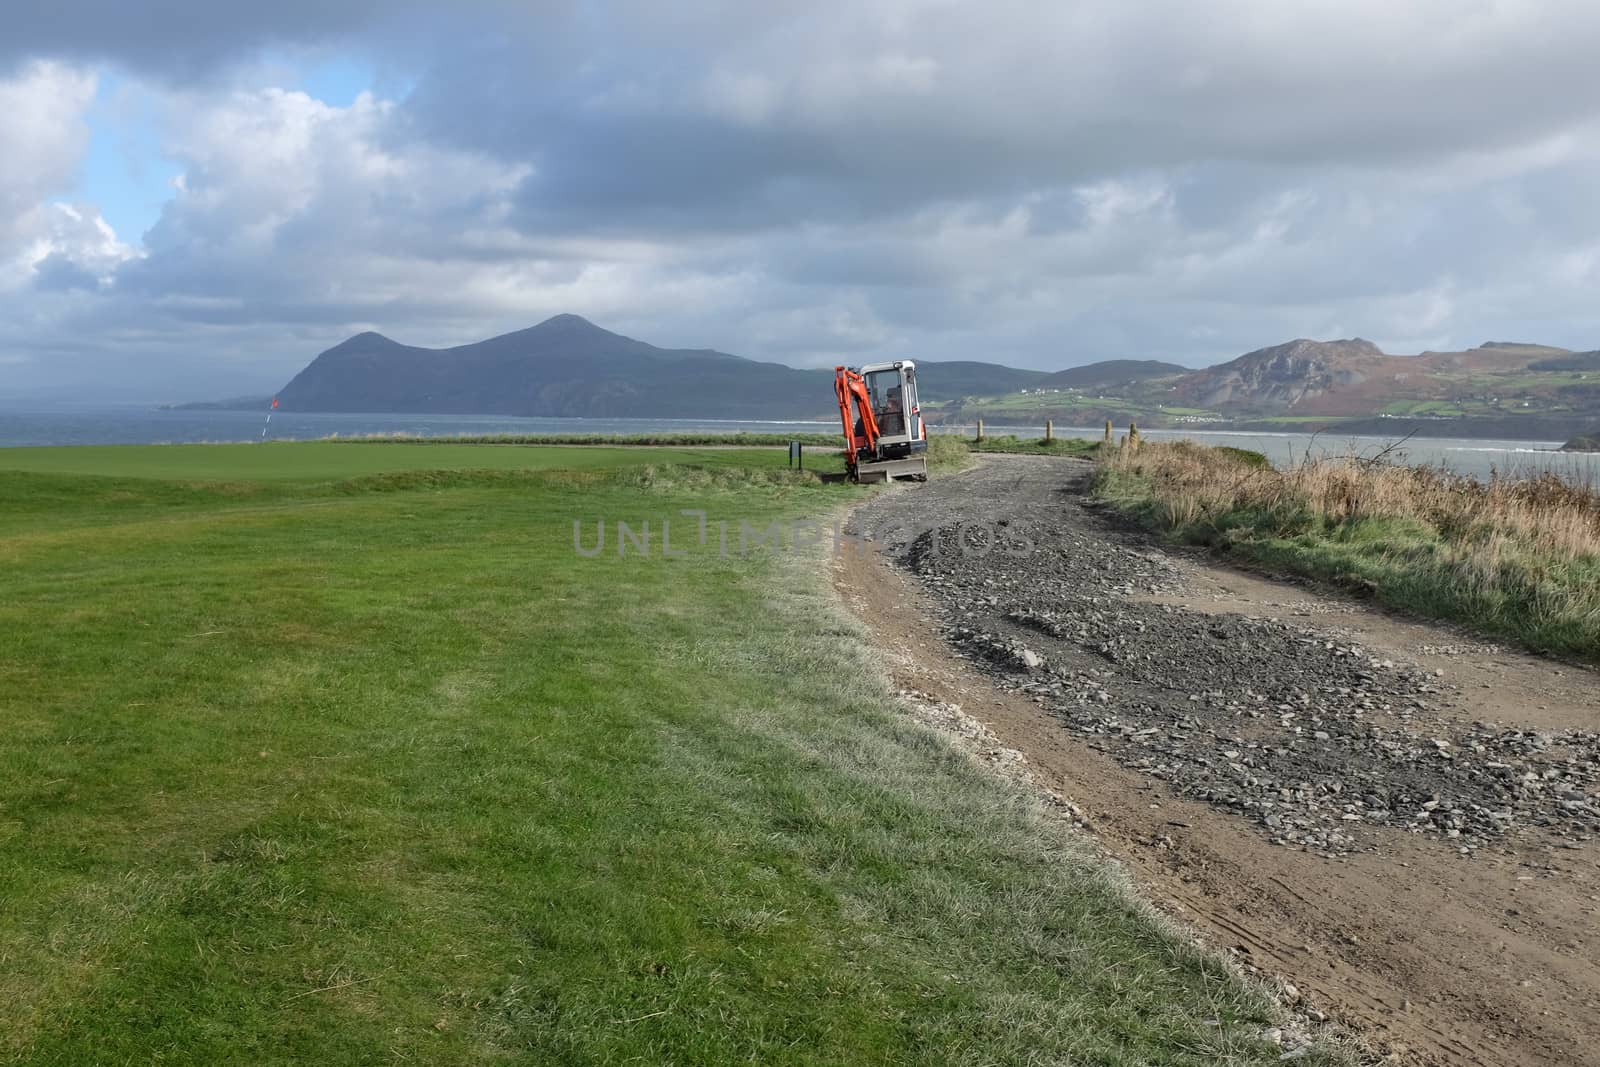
1395,818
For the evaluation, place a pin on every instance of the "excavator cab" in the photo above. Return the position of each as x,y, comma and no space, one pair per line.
885,437
892,391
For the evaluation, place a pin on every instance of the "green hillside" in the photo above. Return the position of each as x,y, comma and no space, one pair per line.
1496,390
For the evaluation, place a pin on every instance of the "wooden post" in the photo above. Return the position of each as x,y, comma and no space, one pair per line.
1133,434
1049,430
980,430
1108,431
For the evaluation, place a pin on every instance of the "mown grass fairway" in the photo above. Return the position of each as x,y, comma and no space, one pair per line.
313,460
381,770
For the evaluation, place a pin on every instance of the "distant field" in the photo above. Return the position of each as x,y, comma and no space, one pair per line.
338,755
1291,420
1435,408
1017,404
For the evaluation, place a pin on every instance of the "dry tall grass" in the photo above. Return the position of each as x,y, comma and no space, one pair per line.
1519,556
1543,513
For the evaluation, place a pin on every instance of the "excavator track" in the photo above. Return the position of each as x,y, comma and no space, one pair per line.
912,468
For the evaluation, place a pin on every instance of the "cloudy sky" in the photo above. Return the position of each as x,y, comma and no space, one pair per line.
197,197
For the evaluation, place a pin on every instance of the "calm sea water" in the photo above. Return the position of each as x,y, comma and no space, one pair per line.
142,425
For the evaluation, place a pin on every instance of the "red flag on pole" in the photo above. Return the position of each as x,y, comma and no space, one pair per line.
274,403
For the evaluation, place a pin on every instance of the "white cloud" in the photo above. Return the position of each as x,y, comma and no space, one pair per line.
324,213
45,137
42,129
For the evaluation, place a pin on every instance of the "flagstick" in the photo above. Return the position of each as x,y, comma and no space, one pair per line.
270,410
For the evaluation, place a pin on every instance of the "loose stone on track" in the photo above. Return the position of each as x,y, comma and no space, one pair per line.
1309,735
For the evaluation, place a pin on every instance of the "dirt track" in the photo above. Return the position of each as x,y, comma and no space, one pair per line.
1392,817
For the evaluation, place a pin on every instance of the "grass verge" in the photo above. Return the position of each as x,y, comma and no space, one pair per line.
1060,446
1517,558
382,767
305,461
948,453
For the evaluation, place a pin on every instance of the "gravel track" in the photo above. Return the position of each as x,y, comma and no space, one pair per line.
1317,740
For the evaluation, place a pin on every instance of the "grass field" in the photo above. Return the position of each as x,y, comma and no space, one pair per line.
328,460
328,761
1040,406
671,439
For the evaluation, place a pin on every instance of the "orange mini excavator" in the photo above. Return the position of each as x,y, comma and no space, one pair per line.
884,437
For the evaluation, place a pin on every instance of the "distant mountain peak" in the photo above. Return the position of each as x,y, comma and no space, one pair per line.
1281,376
566,329
1306,348
563,366
367,339
569,325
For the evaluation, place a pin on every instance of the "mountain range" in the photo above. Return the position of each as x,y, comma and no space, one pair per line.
568,366
1499,389
1355,377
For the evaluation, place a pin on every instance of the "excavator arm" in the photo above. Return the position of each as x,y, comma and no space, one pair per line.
852,389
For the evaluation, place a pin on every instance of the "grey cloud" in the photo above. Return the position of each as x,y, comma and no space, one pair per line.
1039,184
691,125
57,273
182,40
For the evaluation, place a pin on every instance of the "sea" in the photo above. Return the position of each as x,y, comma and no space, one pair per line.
128,425
131,424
